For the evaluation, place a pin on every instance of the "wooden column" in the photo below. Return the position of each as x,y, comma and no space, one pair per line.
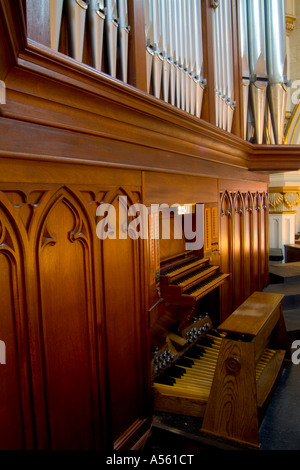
208,106
137,76
38,21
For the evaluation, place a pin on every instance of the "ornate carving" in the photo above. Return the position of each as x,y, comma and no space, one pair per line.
238,203
233,365
226,204
248,201
275,199
26,202
79,233
48,238
286,200
6,241
291,200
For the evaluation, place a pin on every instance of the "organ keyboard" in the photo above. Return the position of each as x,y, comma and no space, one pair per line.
227,375
188,279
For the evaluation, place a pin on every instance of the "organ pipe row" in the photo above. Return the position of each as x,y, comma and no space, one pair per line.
105,21
175,52
263,54
223,64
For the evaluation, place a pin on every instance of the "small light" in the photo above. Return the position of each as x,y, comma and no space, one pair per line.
182,210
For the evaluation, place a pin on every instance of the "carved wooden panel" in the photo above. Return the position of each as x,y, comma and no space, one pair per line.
244,246
68,323
226,243
128,372
265,239
78,302
255,241
238,249
248,227
16,426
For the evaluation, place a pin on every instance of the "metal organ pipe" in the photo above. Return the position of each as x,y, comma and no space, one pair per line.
149,41
76,21
177,52
197,55
243,43
96,19
124,29
229,49
276,64
216,54
111,21
223,64
180,11
257,62
192,59
55,13
165,49
186,53
157,48
171,58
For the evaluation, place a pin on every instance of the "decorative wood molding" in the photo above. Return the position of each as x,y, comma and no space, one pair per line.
273,158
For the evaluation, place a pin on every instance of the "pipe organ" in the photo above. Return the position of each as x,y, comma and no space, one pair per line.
174,59
128,104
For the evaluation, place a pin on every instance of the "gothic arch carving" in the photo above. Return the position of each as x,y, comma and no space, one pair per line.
15,374
248,202
226,204
238,203
69,316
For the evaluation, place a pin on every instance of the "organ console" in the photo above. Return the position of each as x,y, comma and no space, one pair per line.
225,375
222,373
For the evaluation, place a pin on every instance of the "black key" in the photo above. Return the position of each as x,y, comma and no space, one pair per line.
201,284
186,362
175,371
178,266
190,275
165,380
194,353
204,341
